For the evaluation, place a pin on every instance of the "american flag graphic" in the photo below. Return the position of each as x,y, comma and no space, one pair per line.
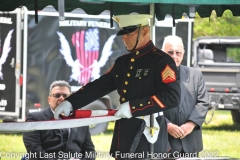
87,52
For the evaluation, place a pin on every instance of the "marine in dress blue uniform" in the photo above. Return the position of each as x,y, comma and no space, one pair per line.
147,81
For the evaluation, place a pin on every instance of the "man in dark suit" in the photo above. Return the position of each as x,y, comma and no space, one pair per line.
147,82
185,122
58,143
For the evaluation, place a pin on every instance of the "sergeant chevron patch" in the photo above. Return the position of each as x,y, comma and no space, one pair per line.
168,74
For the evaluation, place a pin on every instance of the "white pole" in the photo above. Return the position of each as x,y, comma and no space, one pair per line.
152,23
61,9
25,39
189,43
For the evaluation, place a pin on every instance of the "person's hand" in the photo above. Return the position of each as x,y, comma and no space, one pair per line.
124,111
175,130
65,107
187,128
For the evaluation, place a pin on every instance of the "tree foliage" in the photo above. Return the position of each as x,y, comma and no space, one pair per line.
227,25
234,53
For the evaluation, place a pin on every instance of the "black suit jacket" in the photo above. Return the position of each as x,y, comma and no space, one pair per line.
50,142
193,107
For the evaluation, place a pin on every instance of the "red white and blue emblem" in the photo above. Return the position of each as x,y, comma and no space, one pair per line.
88,64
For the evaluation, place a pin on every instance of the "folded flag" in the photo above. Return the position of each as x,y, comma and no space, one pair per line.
89,113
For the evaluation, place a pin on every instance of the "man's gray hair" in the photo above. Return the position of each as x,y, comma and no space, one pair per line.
170,39
59,83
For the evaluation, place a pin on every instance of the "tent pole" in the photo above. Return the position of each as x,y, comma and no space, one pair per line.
152,22
152,36
61,9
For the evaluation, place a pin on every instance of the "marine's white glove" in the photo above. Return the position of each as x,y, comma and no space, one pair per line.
124,111
65,107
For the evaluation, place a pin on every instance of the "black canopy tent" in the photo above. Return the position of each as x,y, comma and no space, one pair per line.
161,7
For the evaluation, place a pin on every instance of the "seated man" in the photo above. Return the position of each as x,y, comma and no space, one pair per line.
57,143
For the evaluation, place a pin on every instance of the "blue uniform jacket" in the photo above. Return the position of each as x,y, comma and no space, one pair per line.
148,79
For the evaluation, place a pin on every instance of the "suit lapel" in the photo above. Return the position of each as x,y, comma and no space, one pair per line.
184,75
73,132
49,115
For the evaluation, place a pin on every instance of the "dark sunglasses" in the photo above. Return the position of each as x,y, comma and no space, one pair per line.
57,95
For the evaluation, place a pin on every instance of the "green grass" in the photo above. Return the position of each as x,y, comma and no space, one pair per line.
220,137
222,143
11,145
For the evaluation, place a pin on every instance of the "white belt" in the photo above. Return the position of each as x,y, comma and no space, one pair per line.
160,113
151,133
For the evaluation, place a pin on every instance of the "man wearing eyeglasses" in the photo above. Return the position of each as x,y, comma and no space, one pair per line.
58,143
184,123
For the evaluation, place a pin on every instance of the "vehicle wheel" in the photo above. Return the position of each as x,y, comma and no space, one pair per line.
236,116
101,127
